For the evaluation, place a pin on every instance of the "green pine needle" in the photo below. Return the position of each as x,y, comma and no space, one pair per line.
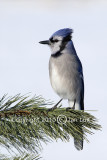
26,122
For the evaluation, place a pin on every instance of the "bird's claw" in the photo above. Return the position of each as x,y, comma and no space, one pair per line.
55,106
68,108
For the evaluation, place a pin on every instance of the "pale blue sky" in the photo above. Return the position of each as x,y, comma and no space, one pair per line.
24,62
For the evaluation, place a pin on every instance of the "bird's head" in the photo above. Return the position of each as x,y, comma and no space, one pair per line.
59,40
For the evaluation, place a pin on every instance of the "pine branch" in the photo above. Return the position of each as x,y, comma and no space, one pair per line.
21,157
25,123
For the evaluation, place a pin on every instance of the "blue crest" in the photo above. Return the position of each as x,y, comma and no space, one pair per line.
63,32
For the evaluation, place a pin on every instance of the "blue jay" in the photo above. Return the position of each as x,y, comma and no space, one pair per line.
65,70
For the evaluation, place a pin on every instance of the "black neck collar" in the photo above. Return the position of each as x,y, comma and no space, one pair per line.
57,54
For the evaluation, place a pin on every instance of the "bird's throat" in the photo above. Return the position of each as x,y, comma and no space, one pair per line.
57,54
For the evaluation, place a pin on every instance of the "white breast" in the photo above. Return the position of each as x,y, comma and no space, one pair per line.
55,79
58,82
64,77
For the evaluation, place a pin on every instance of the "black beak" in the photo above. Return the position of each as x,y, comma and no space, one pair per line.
44,42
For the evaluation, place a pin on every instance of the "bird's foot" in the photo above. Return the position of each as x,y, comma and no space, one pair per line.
68,108
51,109
55,106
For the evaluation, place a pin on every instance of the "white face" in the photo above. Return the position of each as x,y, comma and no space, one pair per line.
55,44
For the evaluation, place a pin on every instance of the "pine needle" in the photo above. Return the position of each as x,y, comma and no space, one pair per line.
26,122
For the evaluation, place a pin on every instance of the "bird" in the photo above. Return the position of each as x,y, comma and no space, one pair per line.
66,72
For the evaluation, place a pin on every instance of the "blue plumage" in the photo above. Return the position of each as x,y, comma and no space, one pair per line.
66,75
63,32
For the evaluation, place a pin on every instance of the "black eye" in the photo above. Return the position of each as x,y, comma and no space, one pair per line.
53,40
56,40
